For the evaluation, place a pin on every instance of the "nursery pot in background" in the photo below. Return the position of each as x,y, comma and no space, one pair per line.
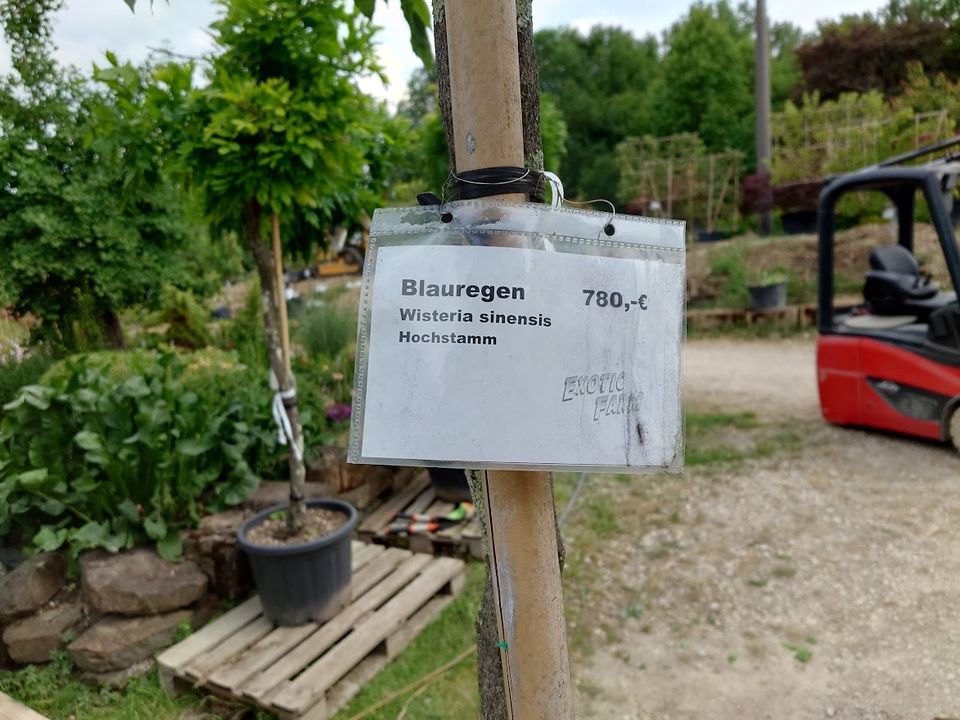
307,582
768,297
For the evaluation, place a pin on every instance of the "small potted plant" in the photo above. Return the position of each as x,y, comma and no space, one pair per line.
768,290
301,576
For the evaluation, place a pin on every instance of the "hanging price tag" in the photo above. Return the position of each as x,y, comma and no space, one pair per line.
561,349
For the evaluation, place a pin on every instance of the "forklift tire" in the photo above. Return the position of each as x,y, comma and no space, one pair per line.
953,427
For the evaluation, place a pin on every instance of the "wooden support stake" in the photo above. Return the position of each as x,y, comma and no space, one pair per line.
281,291
520,515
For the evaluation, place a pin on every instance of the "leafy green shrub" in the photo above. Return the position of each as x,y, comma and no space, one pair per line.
98,460
186,319
324,386
325,331
730,265
244,334
15,374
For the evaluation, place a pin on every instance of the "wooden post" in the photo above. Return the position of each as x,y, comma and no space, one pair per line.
762,99
281,290
520,516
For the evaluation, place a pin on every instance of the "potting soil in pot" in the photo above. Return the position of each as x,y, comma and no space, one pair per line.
273,532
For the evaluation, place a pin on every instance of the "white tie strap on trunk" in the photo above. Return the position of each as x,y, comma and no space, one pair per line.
284,428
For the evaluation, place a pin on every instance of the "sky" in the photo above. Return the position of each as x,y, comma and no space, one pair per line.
87,28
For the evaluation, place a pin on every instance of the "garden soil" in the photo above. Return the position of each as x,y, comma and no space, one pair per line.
819,582
318,522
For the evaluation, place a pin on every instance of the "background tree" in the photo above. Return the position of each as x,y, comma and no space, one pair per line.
608,85
76,244
415,12
706,85
859,53
599,85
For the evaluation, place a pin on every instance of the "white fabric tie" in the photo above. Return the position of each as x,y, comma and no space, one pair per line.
556,196
284,428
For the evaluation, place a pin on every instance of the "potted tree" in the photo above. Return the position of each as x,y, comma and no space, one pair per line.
281,130
768,290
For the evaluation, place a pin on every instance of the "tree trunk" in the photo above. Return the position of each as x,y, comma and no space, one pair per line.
493,704
112,330
270,296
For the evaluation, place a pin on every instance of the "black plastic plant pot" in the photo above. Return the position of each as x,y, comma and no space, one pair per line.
710,236
308,582
799,222
768,297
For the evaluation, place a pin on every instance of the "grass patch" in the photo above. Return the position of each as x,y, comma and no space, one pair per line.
800,651
706,421
325,330
601,519
52,690
453,694
727,438
784,571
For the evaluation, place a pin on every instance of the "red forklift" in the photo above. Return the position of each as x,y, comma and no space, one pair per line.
893,361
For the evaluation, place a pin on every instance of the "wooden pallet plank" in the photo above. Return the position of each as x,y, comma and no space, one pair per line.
381,517
260,655
375,571
238,642
422,501
472,528
354,681
210,635
441,508
10,709
233,674
261,687
475,548
363,555
299,695
421,543
398,642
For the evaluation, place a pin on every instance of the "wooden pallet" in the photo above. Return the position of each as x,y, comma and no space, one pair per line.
311,671
10,709
461,540
792,316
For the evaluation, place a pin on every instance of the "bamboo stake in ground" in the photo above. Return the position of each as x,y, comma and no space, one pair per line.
520,516
281,290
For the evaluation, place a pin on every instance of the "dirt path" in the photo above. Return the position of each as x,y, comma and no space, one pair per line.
822,582
774,379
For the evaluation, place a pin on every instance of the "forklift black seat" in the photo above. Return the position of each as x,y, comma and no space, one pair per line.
895,286
894,258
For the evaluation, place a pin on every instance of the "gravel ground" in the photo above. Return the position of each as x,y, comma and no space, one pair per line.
816,583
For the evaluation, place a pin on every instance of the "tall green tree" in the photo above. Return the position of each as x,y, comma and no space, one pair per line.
600,86
864,54
75,246
415,12
706,85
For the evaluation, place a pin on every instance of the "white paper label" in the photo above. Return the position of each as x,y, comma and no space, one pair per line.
490,355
